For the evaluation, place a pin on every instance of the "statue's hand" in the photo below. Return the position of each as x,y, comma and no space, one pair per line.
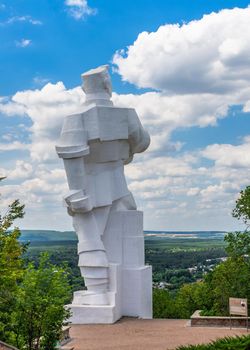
78,202
128,160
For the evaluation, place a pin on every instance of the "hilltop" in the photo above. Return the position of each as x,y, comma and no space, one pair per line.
53,235
47,235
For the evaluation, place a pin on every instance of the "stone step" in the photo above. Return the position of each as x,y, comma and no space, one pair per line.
66,347
65,337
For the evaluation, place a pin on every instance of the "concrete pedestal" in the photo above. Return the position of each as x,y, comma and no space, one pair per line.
130,281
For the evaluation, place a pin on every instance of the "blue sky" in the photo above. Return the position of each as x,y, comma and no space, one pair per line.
183,65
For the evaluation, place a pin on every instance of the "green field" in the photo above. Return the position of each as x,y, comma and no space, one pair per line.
171,258
153,243
183,244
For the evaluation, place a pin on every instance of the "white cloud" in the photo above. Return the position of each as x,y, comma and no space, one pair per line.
7,137
40,189
22,170
79,9
226,155
246,107
46,108
188,88
178,180
23,43
162,113
40,81
210,55
193,191
13,146
199,72
23,19
9,109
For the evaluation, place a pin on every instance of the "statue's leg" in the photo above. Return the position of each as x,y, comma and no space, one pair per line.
93,260
124,203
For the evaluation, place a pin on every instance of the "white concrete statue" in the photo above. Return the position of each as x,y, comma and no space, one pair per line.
94,146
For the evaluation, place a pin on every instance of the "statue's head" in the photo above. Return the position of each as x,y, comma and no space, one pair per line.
97,84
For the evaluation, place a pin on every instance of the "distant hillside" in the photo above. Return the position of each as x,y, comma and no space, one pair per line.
206,233
49,235
46,235
186,234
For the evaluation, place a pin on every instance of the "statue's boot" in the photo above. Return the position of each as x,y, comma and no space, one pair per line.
94,269
93,260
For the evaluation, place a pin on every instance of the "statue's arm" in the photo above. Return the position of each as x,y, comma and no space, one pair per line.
72,148
138,137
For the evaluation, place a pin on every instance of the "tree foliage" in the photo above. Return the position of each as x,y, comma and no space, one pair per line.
31,299
230,278
238,244
163,304
191,297
11,264
242,207
40,313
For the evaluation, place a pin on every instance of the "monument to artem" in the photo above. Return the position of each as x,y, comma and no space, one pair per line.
95,145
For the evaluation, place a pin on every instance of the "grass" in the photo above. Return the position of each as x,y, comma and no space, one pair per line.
51,245
228,343
163,244
182,244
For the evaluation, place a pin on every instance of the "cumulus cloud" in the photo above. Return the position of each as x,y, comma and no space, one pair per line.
10,109
79,9
226,155
210,55
199,72
22,170
177,189
162,113
171,184
46,108
40,190
13,146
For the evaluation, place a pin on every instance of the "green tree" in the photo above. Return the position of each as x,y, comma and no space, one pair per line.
11,264
229,279
31,300
238,244
242,207
232,277
40,312
192,297
163,304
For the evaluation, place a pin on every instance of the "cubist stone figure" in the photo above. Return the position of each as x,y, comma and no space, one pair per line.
95,145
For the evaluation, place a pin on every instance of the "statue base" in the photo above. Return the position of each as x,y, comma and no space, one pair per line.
87,314
130,281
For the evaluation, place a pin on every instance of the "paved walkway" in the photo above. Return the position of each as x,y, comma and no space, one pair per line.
134,334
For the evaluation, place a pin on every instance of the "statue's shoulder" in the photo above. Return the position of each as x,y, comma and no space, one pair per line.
72,121
76,120
106,122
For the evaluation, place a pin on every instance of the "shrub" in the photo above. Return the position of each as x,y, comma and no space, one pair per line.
228,343
163,304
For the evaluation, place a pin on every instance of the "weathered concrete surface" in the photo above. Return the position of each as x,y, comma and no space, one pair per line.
135,334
